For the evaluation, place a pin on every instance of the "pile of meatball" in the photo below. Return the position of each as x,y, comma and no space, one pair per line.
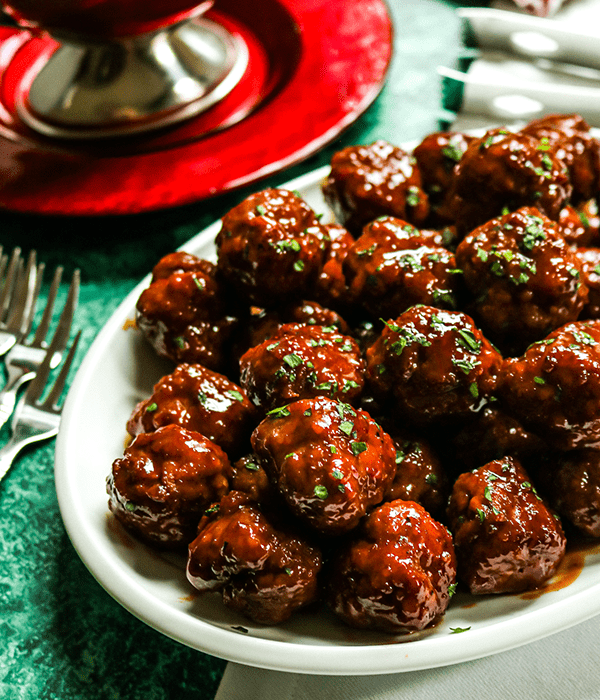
369,413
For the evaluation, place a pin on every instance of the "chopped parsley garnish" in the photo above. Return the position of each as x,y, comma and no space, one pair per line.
321,491
412,198
260,210
452,151
465,365
151,407
458,630
467,339
235,395
346,427
292,360
292,245
534,232
358,447
282,412
299,265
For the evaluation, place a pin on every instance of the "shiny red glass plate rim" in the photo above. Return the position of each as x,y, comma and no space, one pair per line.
337,66
119,370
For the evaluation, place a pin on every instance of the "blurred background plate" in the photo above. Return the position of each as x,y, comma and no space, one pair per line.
314,67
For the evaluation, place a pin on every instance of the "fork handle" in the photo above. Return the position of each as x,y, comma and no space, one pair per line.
8,395
8,454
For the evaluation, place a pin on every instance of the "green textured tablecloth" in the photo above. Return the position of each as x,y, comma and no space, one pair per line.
61,635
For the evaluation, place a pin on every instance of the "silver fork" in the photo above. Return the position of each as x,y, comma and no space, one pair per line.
19,290
34,419
25,357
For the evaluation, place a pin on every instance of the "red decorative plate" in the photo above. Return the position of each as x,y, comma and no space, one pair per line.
315,66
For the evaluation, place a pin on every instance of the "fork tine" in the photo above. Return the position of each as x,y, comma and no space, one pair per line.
63,329
51,401
30,311
7,289
3,262
58,344
42,330
25,287
36,387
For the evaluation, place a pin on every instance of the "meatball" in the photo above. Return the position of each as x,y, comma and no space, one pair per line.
377,180
569,138
300,361
330,462
397,575
184,312
164,482
432,364
507,170
420,476
572,484
263,571
554,388
331,287
392,267
201,400
590,274
524,279
271,247
437,156
492,434
506,538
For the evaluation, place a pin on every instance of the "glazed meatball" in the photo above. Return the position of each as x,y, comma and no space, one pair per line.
392,267
506,538
505,170
301,361
554,388
331,288
370,181
201,400
183,313
437,156
330,462
493,434
263,571
590,274
397,575
420,476
569,138
271,247
431,364
164,482
572,484
524,280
